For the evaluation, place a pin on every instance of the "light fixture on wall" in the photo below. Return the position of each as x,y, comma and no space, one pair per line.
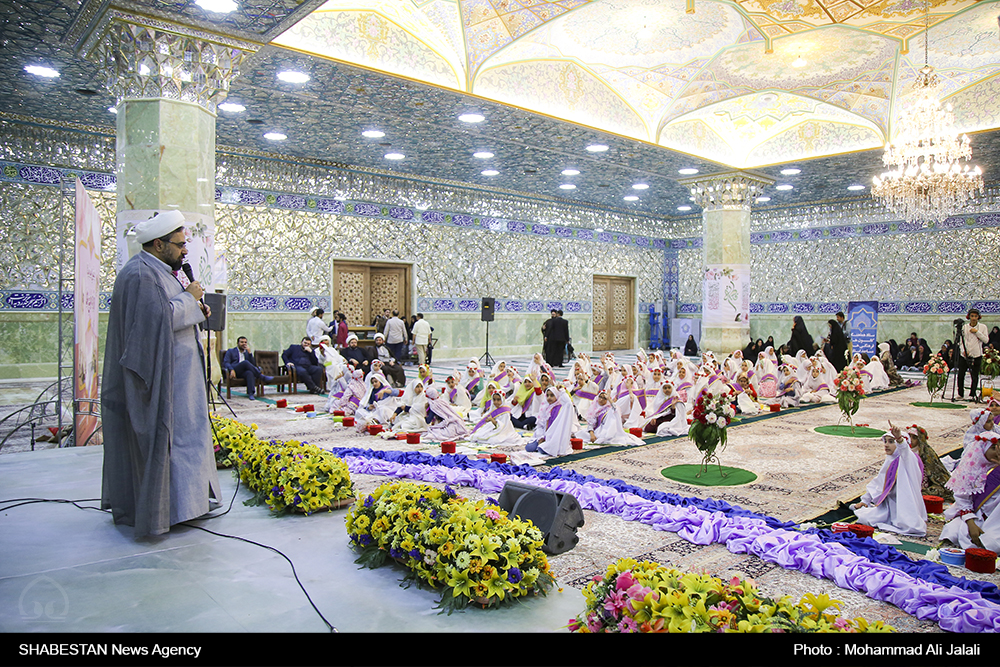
928,175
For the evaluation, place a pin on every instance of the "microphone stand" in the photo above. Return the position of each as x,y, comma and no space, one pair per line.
207,359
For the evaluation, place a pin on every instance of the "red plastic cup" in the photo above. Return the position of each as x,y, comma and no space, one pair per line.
636,431
576,443
348,421
775,407
413,438
374,429
281,403
498,458
338,413
448,447
934,504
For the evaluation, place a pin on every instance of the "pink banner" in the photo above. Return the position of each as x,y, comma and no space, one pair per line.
85,318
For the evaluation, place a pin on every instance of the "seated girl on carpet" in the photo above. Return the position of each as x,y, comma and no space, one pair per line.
893,501
604,426
495,428
555,424
746,396
789,387
815,389
973,519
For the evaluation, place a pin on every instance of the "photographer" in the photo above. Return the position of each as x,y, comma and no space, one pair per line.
971,336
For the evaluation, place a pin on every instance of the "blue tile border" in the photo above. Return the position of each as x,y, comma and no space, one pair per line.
887,307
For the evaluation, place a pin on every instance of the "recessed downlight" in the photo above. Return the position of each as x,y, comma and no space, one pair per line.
597,148
489,172
783,186
630,198
683,208
275,136
570,172
472,118
763,199
232,107
567,186
483,155
42,71
640,186
855,187
217,6
113,109
373,134
687,171
293,76
394,156
791,171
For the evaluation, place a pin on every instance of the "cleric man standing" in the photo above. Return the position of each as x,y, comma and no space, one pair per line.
159,466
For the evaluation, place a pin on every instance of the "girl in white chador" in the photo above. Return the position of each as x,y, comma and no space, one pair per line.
789,387
674,413
879,378
746,396
974,518
337,375
893,500
555,424
604,426
456,395
411,416
767,375
446,423
379,404
815,389
350,398
494,427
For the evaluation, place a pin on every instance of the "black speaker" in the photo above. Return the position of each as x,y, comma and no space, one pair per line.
488,304
556,514
217,320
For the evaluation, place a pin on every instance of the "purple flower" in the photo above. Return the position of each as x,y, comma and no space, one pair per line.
514,575
369,501
415,553
365,540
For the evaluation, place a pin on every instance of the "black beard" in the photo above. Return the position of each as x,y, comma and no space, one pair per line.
176,265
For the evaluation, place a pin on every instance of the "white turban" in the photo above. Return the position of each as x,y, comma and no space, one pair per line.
158,226
351,337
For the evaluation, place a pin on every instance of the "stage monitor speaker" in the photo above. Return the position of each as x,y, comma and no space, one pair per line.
558,515
217,320
488,305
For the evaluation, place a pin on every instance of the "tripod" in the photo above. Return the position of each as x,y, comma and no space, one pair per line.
212,390
486,358
975,393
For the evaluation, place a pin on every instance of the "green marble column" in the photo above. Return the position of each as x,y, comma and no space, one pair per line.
725,200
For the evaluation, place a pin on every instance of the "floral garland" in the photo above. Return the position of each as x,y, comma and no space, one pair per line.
937,375
285,476
647,597
991,362
922,588
471,551
850,391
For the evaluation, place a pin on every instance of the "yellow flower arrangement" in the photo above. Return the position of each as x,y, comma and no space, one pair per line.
647,597
285,476
470,551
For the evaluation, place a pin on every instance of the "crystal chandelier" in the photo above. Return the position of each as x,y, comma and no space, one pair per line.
928,178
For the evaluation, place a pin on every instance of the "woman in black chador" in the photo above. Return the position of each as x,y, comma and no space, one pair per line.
800,340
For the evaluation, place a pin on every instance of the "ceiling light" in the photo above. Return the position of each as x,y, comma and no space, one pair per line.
567,186
597,148
373,134
472,118
483,155
113,109
855,187
687,171
763,199
783,187
598,230
570,172
275,136
489,172
232,107
291,76
683,208
799,62
39,70
790,171
143,69
640,186
217,6
394,156
630,198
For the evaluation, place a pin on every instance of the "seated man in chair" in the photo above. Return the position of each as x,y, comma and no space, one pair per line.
307,366
239,362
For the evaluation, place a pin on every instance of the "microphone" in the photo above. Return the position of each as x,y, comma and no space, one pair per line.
188,271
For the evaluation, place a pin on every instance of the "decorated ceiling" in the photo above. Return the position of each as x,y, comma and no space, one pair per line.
743,83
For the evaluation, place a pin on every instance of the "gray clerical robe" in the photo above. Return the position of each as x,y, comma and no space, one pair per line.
159,465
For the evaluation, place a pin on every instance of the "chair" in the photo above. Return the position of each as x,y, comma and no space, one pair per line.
269,363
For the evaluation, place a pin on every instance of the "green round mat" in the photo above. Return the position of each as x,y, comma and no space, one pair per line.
844,431
944,405
686,475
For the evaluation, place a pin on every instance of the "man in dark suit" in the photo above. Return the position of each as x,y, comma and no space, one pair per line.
556,337
307,366
239,362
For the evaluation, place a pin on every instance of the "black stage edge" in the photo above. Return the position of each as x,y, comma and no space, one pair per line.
487,650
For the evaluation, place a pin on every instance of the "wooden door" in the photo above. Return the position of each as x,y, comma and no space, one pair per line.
364,290
614,306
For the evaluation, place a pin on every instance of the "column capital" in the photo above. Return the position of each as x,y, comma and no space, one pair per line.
726,190
144,57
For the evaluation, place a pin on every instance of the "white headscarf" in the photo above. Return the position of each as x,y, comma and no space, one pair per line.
904,511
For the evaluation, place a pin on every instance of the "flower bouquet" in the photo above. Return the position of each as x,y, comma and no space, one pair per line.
648,597
937,375
285,476
711,415
990,368
850,391
472,552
